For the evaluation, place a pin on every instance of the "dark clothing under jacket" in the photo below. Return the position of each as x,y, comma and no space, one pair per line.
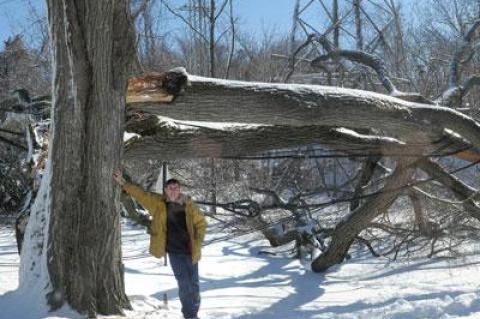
157,207
178,241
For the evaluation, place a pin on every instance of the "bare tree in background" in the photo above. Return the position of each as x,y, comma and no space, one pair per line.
202,18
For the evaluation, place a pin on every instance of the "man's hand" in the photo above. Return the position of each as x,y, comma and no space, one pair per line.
118,177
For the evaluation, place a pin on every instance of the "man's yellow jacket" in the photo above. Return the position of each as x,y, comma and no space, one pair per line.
156,205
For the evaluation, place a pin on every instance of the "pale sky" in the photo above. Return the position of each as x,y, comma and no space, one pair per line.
254,15
14,16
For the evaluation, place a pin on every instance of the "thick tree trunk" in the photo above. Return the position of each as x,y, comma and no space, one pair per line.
172,140
345,232
93,46
215,100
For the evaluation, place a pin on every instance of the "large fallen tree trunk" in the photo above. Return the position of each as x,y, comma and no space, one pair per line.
216,100
279,116
176,140
160,137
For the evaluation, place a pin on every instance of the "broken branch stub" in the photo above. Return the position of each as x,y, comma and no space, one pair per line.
157,87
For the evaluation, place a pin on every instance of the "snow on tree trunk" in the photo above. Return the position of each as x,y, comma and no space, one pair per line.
73,241
33,268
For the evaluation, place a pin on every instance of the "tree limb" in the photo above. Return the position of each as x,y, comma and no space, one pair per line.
346,231
461,190
159,136
269,104
378,65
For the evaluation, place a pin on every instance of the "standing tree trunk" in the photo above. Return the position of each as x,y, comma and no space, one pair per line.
420,219
211,48
336,25
213,186
93,47
232,41
358,23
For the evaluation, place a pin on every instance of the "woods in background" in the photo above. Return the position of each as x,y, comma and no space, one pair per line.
304,189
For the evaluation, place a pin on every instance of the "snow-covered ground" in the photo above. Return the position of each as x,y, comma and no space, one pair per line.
239,283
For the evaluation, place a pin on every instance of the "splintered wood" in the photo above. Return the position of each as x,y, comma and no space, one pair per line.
148,88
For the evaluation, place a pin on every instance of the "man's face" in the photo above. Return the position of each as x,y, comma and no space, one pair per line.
172,191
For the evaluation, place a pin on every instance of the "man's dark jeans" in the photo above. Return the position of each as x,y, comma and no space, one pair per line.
186,275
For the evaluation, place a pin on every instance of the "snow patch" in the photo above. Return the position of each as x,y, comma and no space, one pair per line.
128,136
184,125
238,283
352,133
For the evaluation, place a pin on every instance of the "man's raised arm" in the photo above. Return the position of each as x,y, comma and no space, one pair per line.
146,199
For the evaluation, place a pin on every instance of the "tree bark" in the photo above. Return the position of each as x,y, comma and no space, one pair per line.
211,43
302,105
175,140
336,24
368,170
420,219
358,23
89,87
358,220
461,190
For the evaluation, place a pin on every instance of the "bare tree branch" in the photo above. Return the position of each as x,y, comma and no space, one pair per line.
143,5
469,83
13,143
172,11
359,219
460,189
232,41
378,65
222,7
465,42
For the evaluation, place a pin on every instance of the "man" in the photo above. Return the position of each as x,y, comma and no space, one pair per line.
177,228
